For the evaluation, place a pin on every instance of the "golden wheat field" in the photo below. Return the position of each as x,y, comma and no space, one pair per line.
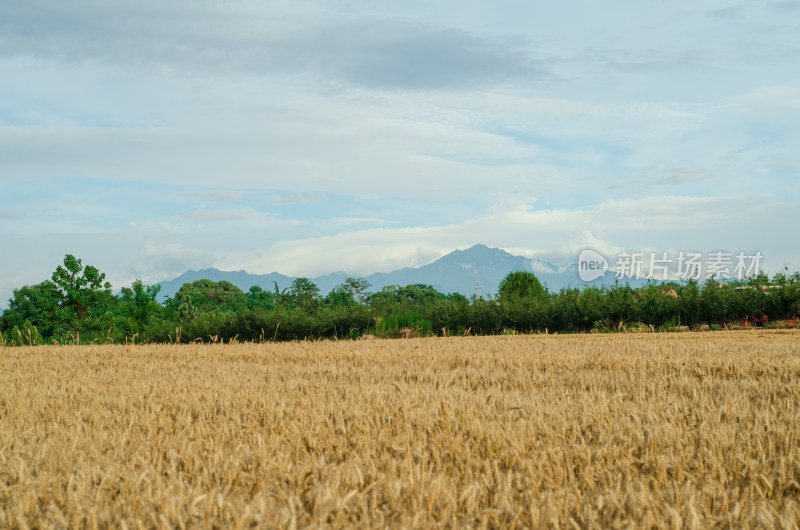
688,430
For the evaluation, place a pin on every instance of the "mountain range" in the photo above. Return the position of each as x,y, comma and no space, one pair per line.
460,271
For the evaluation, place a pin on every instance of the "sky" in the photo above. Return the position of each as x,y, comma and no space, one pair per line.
305,137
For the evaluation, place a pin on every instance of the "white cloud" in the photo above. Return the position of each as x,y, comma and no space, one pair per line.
220,216
774,96
673,223
263,39
298,198
213,195
8,215
173,258
355,221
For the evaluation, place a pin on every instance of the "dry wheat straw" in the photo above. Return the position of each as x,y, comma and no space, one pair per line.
680,430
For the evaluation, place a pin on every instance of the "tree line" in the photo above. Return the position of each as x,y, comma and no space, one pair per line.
77,306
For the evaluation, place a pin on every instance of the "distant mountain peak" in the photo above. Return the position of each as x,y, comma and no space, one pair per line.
475,251
479,246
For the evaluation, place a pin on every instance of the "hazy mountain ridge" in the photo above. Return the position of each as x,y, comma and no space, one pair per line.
457,272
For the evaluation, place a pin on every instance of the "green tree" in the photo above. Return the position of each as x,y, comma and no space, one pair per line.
395,299
419,294
352,291
258,298
139,303
37,304
207,296
689,304
520,284
358,287
303,293
85,293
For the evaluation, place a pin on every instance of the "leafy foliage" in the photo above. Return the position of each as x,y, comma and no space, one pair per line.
137,307
37,304
350,293
303,293
520,284
84,294
206,296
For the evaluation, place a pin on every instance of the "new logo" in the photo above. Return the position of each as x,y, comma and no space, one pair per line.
591,265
